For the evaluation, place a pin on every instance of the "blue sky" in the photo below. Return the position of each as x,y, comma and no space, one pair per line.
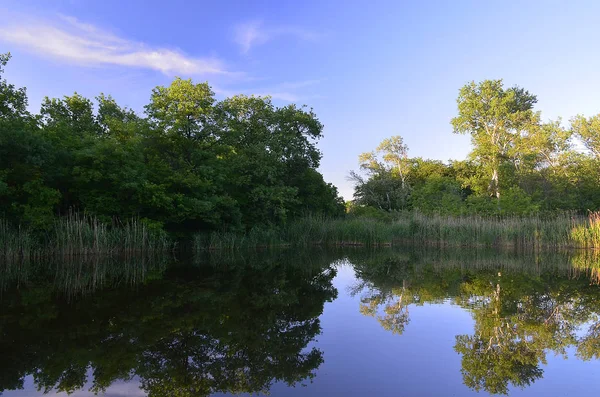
369,69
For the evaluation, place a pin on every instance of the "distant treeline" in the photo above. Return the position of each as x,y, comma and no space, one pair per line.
519,164
190,163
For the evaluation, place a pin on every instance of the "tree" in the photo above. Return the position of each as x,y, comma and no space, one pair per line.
116,121
192,164
69,125
387,168
390,155
184,158
183,111
271,157
496,118
588,130
13,101
314,195
439,194
25,157
383,191
546,144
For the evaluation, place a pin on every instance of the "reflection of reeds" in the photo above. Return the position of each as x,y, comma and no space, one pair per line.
78,275
80,235
587,262
588,235
573,264
16,242
532,232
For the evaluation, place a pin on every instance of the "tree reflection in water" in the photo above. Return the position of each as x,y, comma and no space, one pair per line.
523,306
241,324
237,326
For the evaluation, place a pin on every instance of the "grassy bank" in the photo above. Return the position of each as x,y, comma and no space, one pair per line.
531,232
80,235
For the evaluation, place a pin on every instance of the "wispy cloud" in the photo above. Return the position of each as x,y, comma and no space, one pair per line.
287,91
250,34
254,33
73,41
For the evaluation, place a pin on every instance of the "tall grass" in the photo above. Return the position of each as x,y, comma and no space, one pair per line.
520,232
587,235
80,235
255,238
16,242
493,231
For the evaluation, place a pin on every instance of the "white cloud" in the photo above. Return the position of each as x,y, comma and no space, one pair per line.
70,40
250,34
254,33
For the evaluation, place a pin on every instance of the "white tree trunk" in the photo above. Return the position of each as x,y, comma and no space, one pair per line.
494,185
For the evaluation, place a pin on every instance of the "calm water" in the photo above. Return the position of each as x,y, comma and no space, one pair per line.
319,323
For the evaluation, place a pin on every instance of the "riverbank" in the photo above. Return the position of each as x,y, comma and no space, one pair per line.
79,235
558,231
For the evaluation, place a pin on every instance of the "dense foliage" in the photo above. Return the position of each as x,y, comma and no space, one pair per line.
190,163
519,164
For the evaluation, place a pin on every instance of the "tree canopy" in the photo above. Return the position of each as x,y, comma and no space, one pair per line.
189,163
533,163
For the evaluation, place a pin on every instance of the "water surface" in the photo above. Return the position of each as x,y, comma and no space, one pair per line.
387,322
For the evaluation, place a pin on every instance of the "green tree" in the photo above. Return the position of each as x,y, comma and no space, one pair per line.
439,194
588,130
387,168
25,157
192,164
272,159
496,118
383,191
13,101
69,124
391,155
546,145
182,155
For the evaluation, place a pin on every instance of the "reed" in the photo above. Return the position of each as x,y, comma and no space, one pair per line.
81,235
16,242
564,230
587,235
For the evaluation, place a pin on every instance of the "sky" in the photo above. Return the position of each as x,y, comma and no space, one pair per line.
369,70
